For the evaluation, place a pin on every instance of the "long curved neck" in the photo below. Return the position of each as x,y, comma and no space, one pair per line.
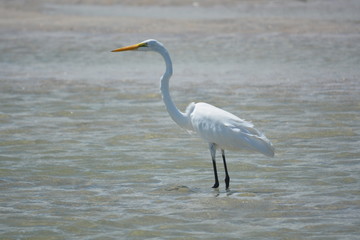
180,118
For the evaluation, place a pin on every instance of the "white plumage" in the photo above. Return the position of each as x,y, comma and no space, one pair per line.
221,129
227,131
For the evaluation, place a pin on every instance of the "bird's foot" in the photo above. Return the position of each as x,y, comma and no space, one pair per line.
216,185
227,182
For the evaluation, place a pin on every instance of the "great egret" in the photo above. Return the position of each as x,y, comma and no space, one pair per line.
221,129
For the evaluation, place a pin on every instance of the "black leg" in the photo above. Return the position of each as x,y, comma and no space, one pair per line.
227,178
212,147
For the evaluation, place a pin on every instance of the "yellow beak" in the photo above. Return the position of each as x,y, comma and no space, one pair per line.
132,47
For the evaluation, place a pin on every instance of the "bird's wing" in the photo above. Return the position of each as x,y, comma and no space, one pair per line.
228,131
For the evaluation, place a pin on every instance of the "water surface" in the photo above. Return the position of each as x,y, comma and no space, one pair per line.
88,151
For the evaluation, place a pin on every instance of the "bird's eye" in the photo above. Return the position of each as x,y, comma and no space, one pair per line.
143,45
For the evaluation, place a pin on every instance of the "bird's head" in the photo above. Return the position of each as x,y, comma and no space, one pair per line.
147,45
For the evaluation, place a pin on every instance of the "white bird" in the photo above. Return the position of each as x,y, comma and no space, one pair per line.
221,129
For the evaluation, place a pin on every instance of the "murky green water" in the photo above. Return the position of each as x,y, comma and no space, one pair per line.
88,151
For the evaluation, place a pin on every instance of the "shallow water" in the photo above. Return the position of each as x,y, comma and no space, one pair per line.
88,151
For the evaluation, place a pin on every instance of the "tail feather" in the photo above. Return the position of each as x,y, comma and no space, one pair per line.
256,141
263,145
